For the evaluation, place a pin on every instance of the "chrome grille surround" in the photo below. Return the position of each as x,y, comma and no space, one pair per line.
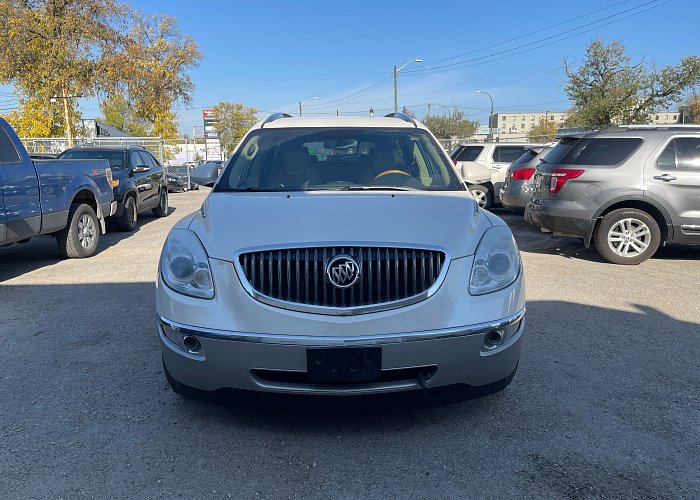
284,283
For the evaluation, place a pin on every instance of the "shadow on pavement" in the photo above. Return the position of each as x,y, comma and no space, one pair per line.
595,385
531,239
42,251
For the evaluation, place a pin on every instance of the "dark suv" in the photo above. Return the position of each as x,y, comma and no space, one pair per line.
139,181
628,189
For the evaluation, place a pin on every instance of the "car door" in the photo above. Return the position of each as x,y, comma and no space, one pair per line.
142,180
672,178
501,159
20,212
155,176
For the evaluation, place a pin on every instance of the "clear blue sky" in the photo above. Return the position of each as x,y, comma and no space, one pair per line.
271,54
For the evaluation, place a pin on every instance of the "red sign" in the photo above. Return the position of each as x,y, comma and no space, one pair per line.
207,113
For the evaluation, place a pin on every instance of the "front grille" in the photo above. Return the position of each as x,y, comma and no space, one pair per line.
299,275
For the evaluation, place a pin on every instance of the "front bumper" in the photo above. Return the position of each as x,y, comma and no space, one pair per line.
242,339
278,363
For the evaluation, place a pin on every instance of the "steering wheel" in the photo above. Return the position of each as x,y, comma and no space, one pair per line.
390,172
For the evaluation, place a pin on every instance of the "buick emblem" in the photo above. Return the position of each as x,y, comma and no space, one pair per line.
343,271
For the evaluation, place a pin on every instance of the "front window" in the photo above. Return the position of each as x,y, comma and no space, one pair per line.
316,159
115,158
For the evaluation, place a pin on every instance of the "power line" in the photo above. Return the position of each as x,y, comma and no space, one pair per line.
532,32
356,94
448,67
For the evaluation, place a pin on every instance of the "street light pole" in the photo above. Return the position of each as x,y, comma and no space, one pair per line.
301,103
396,86
66,113
490,135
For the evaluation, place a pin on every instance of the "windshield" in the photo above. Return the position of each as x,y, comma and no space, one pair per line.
313,159
115,158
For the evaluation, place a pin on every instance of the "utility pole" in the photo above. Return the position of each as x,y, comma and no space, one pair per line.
66,117
429,110
396,92
66,112
396,87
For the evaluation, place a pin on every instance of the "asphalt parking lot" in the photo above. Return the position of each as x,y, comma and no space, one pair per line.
606,401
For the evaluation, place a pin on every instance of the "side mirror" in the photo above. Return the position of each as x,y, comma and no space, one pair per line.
205,175
140,169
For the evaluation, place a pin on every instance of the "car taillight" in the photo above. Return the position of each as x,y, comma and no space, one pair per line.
455,162
560,176
523,174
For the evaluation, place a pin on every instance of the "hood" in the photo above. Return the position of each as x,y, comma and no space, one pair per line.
235,221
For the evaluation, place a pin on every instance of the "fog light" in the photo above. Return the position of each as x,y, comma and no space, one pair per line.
191,343
493,339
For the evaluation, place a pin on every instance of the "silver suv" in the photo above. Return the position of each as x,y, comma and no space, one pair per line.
627,189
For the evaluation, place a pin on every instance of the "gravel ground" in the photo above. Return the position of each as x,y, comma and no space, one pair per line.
606,402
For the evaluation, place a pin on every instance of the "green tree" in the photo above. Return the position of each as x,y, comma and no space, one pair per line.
234,120
119,113
607,89
94,48
451,126
691,109
544,131
153,70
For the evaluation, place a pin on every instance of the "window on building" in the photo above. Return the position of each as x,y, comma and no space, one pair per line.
532,118
522,125
523,119
551,118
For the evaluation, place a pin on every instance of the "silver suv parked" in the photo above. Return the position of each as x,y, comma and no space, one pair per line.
628,189
520,179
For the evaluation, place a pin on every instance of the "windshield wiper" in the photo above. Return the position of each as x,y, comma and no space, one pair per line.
251,189
377,188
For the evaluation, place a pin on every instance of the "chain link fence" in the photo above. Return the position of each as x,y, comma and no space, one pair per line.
56,145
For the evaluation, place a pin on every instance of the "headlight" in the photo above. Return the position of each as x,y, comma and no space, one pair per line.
184,265
496,262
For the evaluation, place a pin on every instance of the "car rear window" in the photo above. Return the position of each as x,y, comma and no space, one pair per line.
507,154
8,153
469,153
601,151
525,157
115,158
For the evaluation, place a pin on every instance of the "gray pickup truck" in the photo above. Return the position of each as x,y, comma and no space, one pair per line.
68,199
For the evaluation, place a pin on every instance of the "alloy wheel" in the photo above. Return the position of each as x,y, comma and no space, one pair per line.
86,231
629,237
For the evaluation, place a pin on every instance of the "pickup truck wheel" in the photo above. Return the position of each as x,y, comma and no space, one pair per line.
81,235
627,236
129,218
162,209
482,194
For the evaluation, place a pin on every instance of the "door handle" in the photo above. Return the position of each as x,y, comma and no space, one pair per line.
665,177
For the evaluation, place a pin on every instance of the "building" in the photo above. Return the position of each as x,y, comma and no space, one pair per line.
666,117
94,129
520,124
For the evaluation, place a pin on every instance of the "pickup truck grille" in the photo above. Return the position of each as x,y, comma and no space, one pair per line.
299,275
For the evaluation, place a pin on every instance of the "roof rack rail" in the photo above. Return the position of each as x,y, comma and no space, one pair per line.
402,116
662,126
273,117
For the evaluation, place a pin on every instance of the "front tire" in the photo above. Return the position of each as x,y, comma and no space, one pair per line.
162,209
482,194
129,217
80,237
627,236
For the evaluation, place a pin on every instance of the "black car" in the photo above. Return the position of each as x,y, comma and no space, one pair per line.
139,181
177,183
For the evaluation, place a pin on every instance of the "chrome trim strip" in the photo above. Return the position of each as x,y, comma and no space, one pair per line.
310,340
342,311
